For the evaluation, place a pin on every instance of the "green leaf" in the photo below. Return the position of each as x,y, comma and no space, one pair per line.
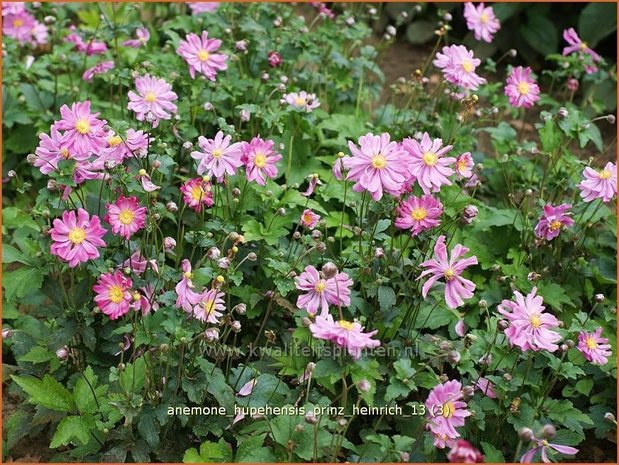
11,254
83,395
491,453
13,217
71,429
251,450
47,392
22,281
420,32
541,34
37,354
386,298
597,21
209,452
554,295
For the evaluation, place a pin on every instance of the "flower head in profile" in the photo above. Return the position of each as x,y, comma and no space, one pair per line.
309,219
202,7
186,297
138,263
260,160
449,269
302,101
521,88
481,20
126,216
543,447
458,65
99,68
147,300
199,53
599,184
274,59
577,45
419,214
553,220
89,47
529,327
463,452
377,165
427,162
76,237
113,294
152,99
247,388
486,387
594,347
142,35
446,411
210,306
322,290
218,156
197,193
345,334
83,130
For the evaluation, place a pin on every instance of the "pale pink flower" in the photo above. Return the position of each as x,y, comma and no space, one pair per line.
302,101
197,192
186,297
118,148
419,214
40,34
486,387
442,267
147,302
322,291
338,168
314,181
143,36
463,452
199,54
202,7
543,446
521,88
218,156
126,216
247,388
84,131
99,68
377,165
114,296
19,26
446,411
464,165
309,219
427,164
260,160
481,21
90,47
575,44
76,237
599,184
529,327
346,334
594,347
458,65
138,263
13,8
154,97
460,328
209,306
147,184
553,220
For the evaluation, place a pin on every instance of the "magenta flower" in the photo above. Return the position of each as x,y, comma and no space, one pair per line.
202,7
76,237
345,334
481,21
302,101
260,160
442,267
84,131
114,296
377,165
54,149
521,88
153,100
210,306
126,216
147,302
218,156
197,192
575,44
464,165
486,387
458,65
542,446
530,328
118,148
594,348
599,184
322,291
309,219
142,37
186,297
463,452
99,68
199,54
19,26
419,214
446,411
428,165
553,220
138,263
90,47
274,59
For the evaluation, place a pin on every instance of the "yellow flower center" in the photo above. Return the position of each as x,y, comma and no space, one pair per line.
77,235
483,18
114,141
535,320
299,101
347,325
197,193
583,46
419,214
150,97
523,88
307,218
449,409
556,224
217,153
379,161
462,165
544,443
260,160
430,158
605,174
126,216
467,66
449,274
203,55
320,286
82,126
209,306
18,23
116,294
64,153
591,343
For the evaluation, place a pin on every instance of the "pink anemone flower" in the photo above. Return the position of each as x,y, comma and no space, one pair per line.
199,53
76,237
346,334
